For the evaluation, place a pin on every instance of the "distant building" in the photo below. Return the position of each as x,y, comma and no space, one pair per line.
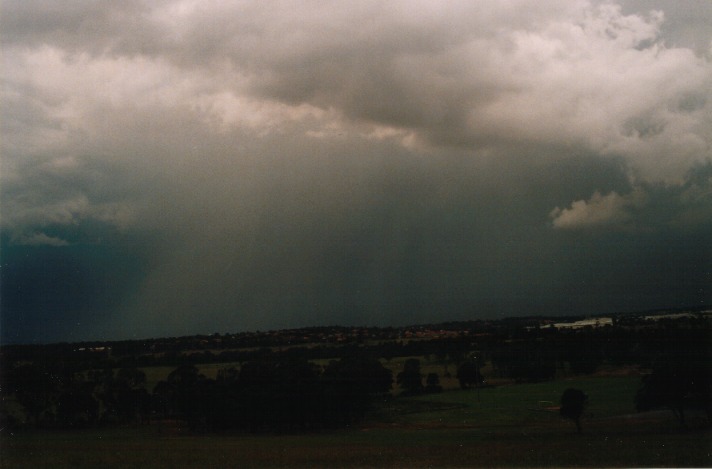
669,316
593,322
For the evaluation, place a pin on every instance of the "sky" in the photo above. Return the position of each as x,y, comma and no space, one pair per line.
176,167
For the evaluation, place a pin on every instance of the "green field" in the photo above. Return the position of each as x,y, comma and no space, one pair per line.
501,426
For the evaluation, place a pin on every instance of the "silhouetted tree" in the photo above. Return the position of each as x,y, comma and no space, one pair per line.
192,391
582,349
432,383
162,399
129,395
279,394
35,389
76,404
469,375
410,379
365,374
349,385
573,402
676,385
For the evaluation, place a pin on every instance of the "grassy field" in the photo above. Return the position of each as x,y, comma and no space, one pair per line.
501,426
531,403
154,374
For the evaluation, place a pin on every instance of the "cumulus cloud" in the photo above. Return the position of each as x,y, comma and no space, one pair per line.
599,210
646,207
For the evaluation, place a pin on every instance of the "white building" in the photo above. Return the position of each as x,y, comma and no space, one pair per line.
593,322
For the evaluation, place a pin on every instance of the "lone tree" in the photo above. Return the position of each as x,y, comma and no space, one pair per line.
349,385
573,402
362,374
411,379
469,375
433,383
676,385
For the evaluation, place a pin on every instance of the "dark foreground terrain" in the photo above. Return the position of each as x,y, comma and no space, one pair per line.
508,425
624,391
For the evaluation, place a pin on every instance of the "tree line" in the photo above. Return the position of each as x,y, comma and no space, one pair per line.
282,389
274,394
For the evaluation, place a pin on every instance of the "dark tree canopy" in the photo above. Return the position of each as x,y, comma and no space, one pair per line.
676,385
62,386
432,383
469,375
573,403
411,379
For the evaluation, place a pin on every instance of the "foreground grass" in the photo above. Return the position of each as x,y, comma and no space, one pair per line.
507,426
362,448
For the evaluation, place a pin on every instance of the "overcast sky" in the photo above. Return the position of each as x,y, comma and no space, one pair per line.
181,167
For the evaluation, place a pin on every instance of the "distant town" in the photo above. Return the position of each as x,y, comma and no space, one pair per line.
370,335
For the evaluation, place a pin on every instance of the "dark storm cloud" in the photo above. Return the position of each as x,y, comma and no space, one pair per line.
199,167
400,239
61,292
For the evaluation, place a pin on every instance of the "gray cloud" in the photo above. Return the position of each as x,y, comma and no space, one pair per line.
267,165
644,207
